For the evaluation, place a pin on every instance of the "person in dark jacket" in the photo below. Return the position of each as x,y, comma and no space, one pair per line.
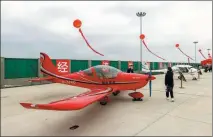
169,83
130,69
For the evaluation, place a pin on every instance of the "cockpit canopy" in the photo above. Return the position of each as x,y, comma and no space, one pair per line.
102,71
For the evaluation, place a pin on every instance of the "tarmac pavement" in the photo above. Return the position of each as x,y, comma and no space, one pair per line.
189,115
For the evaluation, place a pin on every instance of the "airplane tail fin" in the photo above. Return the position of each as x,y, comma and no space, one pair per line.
47,66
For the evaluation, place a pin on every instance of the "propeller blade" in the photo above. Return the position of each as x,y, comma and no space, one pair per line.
150,88
150,83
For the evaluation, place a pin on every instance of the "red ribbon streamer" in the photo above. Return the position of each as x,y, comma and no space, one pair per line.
151,51
88,43
185,54
202,54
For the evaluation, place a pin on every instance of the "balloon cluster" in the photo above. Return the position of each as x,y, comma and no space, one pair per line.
77,24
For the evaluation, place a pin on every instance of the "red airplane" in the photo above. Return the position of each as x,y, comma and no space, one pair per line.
206,62
102,80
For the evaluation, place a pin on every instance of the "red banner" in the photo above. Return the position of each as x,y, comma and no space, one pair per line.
105,62
130,63
63,65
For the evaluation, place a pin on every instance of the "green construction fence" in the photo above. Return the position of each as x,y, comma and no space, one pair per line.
20,68
77,65
28,68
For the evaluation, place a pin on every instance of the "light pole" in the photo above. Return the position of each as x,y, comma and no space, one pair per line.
195,42
141,14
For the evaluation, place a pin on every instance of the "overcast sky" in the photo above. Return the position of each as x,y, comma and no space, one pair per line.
112,28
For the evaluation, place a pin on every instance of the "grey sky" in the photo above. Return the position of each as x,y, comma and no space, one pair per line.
112,28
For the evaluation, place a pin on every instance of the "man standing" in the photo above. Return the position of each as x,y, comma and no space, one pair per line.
130,69
169,83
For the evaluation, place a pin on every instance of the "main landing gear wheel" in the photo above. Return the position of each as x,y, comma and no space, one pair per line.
137,99
115,93
137,96
104,101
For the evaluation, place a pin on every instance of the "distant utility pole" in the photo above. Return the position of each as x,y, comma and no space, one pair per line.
141,14
195,42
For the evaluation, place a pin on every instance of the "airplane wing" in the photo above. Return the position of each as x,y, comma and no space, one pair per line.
72,103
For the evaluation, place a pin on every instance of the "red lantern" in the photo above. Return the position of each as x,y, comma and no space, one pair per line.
177,45
142,36
77,23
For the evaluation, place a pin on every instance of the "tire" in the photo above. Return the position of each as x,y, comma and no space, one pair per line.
140,99
116,93
137,99
134,99
103,103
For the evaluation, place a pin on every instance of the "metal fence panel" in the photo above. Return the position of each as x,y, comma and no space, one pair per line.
124,66
135,66
20,68
155,66
77,65
114,64
96,62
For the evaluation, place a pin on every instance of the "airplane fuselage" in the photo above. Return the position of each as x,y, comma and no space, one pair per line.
123,81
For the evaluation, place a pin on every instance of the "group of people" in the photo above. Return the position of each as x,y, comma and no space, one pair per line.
169,82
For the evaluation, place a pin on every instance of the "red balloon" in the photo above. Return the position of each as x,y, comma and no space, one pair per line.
77,23
177,45
142,36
